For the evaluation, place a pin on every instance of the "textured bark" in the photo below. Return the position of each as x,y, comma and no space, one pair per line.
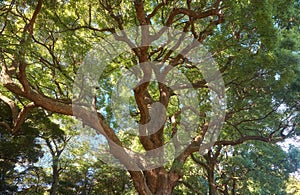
156,181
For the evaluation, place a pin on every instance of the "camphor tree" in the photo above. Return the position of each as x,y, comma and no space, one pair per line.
44,44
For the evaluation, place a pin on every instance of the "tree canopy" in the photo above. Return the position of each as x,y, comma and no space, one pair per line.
187,96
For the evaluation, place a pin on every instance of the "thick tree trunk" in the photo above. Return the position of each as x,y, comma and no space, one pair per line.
165,189
161,189
156,181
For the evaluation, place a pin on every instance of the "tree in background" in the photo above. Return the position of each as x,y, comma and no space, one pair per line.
252,168
293,186
56,142
44,43
66,167
19,151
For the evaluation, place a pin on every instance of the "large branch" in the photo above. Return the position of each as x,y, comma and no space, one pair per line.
22,117
155,10
90,118
12,105
242,140
196,145
139,183
37,10
190,13
140,12
6,125
18,118
215,10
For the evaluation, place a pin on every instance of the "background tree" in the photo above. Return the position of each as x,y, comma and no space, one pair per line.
18,151
56,142
293,186
44,43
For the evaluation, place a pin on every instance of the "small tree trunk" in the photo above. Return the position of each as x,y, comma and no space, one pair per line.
55,177
211,181
233,186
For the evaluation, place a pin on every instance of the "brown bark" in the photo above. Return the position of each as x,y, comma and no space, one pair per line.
37,10
156,181
209,166
12,105
211,180
55,152
18,118
55,177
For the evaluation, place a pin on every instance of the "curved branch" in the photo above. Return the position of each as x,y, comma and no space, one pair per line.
195,145
156,9
4,124
190,13
37,10
22,116
196,160
242,140
12,105
90,118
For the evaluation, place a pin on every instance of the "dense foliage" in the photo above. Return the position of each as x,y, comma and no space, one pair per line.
47,146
